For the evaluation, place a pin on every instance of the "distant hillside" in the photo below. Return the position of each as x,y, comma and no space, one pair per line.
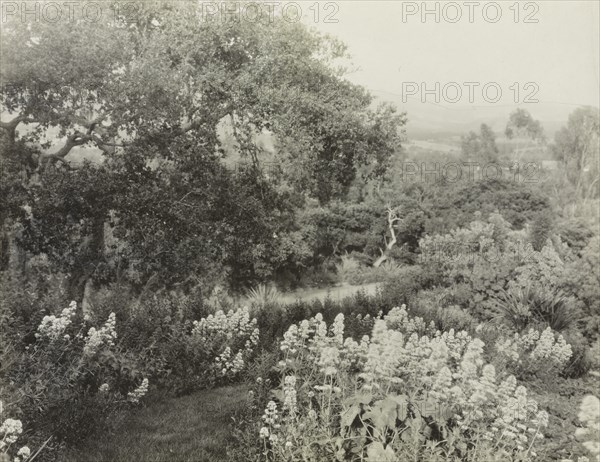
431,121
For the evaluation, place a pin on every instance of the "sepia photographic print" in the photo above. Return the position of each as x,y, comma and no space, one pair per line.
299,231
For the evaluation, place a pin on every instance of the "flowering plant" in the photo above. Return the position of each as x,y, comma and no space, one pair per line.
67,380
534,353
10,430
405,392
227,339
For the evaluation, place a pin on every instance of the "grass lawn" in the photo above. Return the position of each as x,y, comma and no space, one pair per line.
198,427
191,428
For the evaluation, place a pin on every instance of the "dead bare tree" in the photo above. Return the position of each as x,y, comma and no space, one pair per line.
392,218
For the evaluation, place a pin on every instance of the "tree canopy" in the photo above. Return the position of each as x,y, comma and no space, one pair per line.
168,75
150,94
576,146
480,147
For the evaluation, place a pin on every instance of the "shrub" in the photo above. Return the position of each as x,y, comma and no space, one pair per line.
346,268
576,232
357,325
218,299
321,275
350,271
192,355
544,269
438,306
582,358
581,279
541,229
402,287
153,329
516,201
481,258
70,379
178,353
534,354
396,395
27,299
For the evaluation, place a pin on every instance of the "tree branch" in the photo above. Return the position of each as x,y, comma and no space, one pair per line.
76,139
11,127
13,123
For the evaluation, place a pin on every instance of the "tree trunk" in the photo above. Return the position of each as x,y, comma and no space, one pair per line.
381,259
4,250
4,245
392,219
86,302
83,282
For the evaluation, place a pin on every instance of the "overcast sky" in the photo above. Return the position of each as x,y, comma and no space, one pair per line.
559,53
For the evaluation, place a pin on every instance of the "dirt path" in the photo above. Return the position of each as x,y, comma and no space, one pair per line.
335,293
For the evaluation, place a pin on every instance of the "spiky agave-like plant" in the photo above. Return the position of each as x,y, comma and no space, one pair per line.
520,307
263,295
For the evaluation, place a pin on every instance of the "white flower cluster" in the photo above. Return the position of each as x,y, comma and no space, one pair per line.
502,410
226,366
542,349
589,414
289,396
547,348
398,319
455,341
337,329
137,394
227,324
271,415
330,352
311,332
292,338
105,336
354,351
264,432
53,327
448,368
227,332
23,454
10,431
329,360
271,419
